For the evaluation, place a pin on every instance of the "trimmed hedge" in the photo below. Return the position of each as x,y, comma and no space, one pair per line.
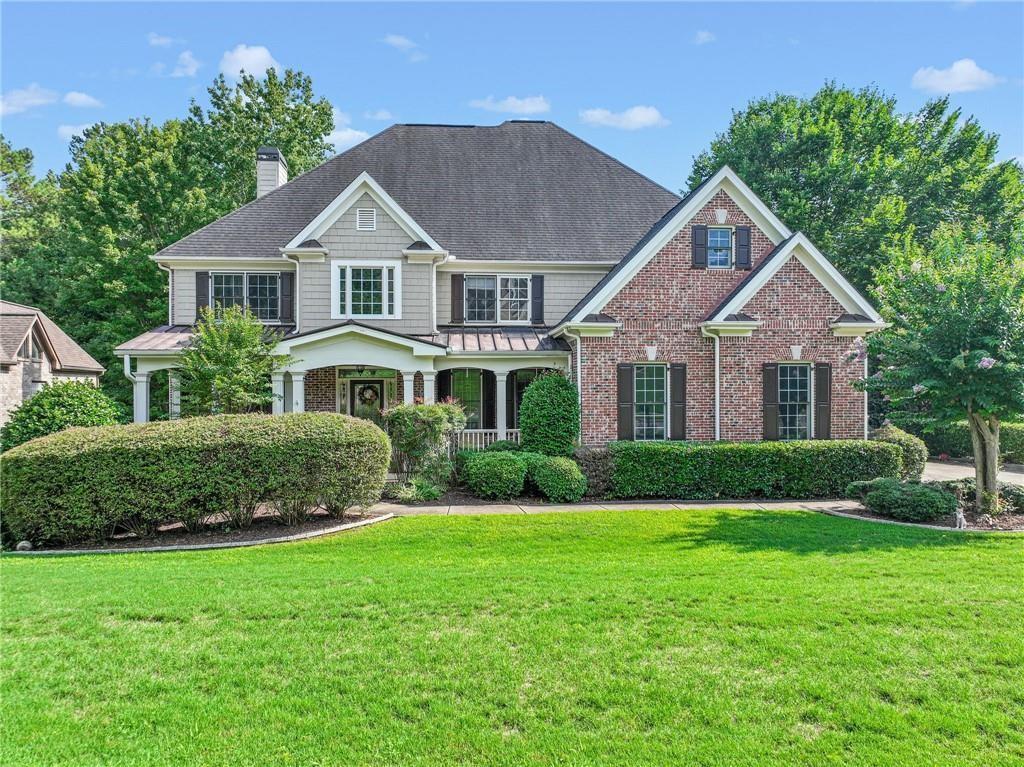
498,476
557,478
597,465
693,470
502,446
1011,497
915,454
87,483
955,441
549,417
58,406
909,501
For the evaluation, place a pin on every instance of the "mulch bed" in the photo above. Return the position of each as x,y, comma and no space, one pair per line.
1003,522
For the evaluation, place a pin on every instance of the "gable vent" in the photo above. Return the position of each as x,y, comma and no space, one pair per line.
366,220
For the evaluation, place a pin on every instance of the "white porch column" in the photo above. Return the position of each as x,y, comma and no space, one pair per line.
408,379
428,386
173,395
299,391
140,398
277,384
500,400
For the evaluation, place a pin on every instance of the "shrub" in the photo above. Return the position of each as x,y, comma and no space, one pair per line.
857,490
549,417
58,406
597,464
955,440
498,476
915,454
503,446
557,478
807,469
1011,497
910,502
413,492
421,436
84,484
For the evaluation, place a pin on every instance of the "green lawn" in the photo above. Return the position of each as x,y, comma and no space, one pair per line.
725,638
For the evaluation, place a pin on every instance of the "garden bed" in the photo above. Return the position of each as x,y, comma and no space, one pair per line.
1005,522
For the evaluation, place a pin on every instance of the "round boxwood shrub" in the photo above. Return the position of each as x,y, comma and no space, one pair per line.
87,483
502,446
549,417
558,478
498,476
915,452
910,501
58,406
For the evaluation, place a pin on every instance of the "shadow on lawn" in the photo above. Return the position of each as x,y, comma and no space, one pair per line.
810,533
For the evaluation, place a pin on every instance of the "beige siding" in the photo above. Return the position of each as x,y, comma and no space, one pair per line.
183,295
562,291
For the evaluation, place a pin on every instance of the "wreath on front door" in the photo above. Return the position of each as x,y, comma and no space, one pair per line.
367,395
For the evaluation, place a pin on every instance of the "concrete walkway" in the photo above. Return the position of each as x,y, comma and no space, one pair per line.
547,508
941,470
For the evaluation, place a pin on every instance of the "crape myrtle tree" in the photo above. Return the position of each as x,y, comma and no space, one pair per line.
955,346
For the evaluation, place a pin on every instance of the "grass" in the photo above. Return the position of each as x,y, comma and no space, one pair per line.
685,637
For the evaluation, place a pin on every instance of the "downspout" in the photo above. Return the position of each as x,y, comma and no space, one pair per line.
128,369
578,338
718,397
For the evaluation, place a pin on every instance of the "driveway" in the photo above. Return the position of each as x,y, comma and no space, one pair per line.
939,470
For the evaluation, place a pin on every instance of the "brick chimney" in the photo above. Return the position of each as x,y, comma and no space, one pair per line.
271,169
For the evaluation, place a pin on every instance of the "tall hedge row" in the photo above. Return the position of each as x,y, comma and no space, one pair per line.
87,483
955,441
692,470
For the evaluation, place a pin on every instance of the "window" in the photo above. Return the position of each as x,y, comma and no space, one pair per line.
29,349
650,403
366,219
497,298
467,389
366,289
259,291
794,401
719,248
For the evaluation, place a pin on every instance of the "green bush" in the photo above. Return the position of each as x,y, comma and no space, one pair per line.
856,491
549,417
502,446
1011,497
421,437
806,469
557,478
58,406
597,464
915,454
84,484
910,502
497,476
955,441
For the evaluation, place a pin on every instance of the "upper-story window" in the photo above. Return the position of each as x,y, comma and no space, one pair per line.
497,297
366,289
366,219
719,247
259,291
29,349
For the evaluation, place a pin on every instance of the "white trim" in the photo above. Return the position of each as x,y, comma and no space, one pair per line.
363,184
212,262
418,348
340,263
371,225
497,299
423,256
718,389
587,329
245,289
534,267
856,328
739,192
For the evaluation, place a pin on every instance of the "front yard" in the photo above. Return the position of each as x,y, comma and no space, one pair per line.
675,637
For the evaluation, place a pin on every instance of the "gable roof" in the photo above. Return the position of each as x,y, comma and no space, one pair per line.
16,320
522,190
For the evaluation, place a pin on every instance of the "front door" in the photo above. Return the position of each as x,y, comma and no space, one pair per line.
367,399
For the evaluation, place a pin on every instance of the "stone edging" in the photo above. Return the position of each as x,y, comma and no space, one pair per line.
204,546
844,515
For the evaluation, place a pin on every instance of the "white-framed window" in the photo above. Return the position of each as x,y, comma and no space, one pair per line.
650,402
719,247
259,291
494,298
794,401
366,219
366,290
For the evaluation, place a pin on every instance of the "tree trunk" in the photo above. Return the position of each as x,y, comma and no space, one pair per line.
985,441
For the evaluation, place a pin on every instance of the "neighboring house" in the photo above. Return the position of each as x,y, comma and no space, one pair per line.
34,352
433,261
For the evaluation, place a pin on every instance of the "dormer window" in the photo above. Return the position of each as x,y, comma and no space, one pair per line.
366,219
719,248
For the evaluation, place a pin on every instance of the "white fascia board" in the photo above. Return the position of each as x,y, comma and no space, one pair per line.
856,328
213,262
740,193
363,183
314,255
523,265
712,329
424,256
587,329
418,348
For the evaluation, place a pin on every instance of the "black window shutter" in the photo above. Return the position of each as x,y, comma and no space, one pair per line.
444,385
699,237
625,400
202,292
743,247
537,299
770,396
677,407
458,299
823,401
511,419
288,297
488,386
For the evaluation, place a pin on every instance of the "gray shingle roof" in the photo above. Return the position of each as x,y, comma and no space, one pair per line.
519,190
69,356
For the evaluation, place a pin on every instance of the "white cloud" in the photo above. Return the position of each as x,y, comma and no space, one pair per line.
344,135
633,118
528,105
79,99
254,59
402,43
962,76
159,41
703,37
21,100
67,132
188,65
379,114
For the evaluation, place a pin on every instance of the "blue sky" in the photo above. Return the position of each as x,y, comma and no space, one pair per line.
650,84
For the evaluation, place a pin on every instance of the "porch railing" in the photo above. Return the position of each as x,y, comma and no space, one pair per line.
478,439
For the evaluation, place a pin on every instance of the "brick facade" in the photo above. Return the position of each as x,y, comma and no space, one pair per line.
321,390
664,305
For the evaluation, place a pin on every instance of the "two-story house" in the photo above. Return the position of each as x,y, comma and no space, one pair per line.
440,260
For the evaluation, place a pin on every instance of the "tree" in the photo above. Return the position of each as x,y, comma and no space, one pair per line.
58,406
955,347
227,366
854,174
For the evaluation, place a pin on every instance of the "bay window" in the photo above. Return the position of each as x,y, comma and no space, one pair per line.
366,289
